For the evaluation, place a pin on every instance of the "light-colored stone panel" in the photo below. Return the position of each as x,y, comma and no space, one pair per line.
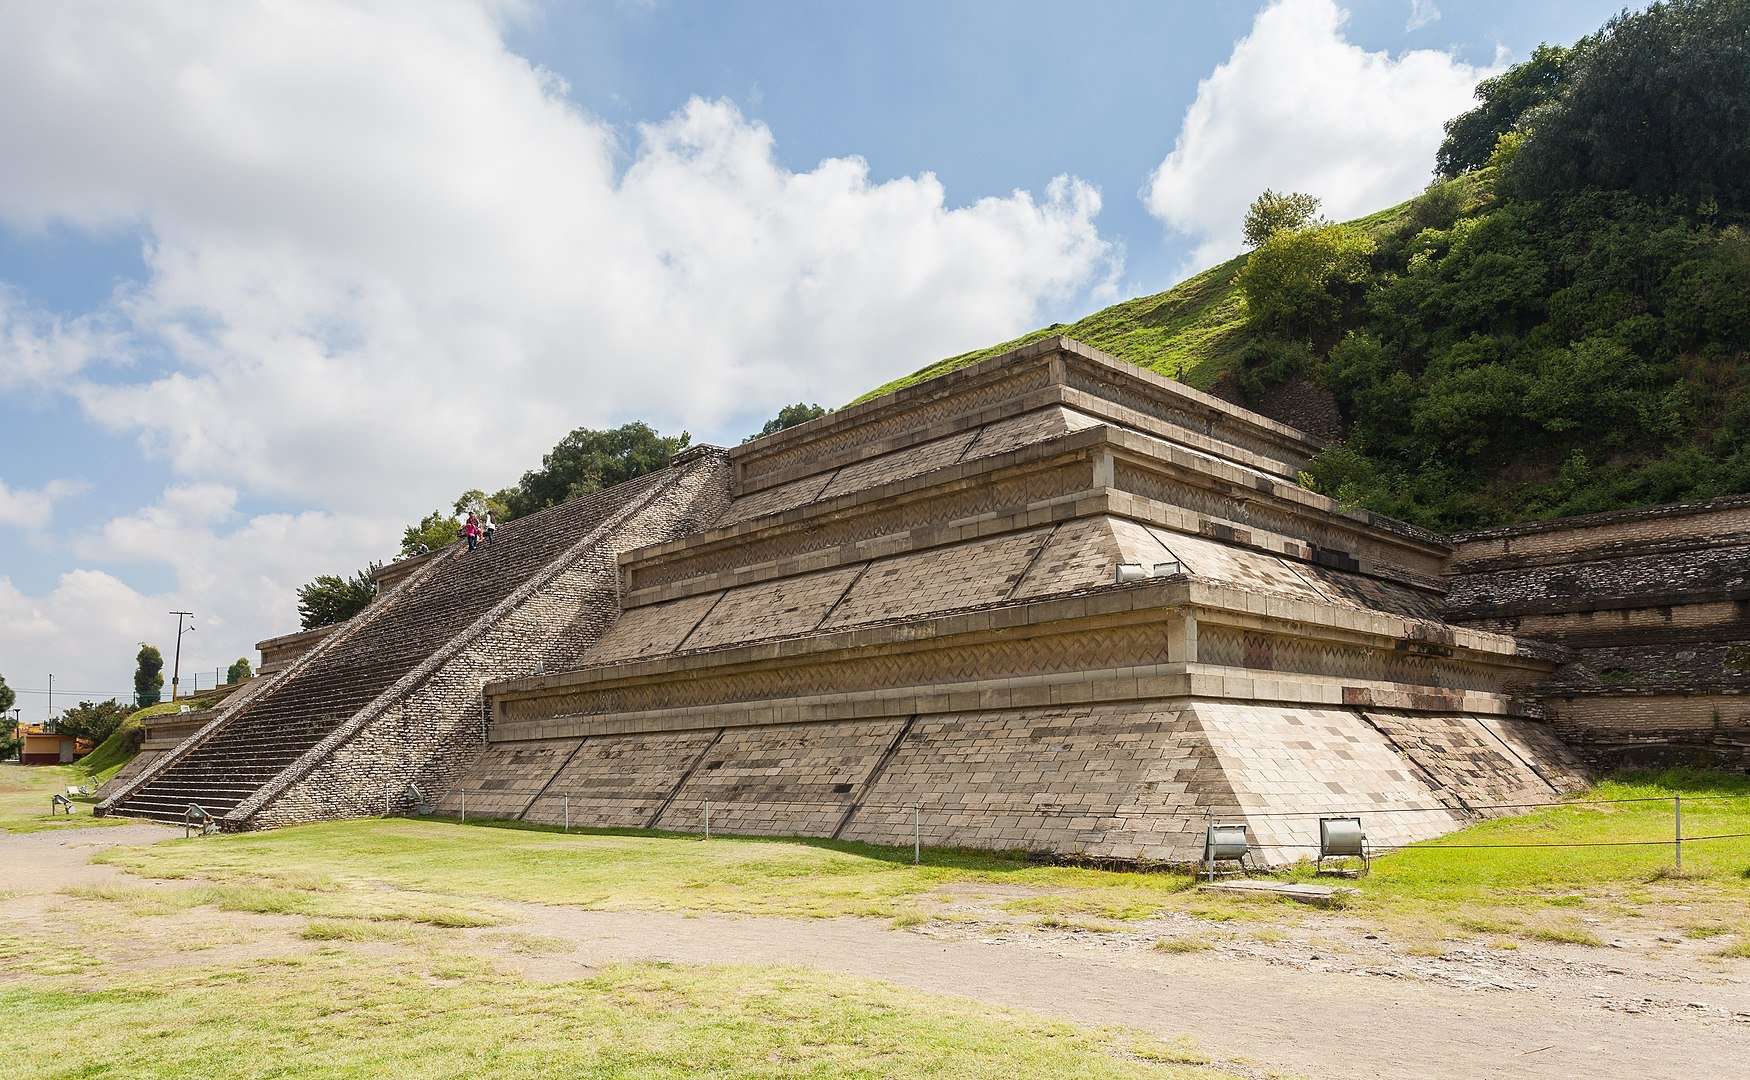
793,605
502,780
1131,782
1469,764
1002,436
944,579
651,631
790,779
1287,766
899,465
1230,565
1085,553
1536,742
619,780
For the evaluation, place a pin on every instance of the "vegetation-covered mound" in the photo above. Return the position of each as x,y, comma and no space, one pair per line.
1559,325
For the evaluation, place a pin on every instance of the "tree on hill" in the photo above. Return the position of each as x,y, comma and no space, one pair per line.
1302,281
241,671
433,531
1274,212
788,417
92,720
1656,104
1505,100
148,676
8,726
588,460
330,598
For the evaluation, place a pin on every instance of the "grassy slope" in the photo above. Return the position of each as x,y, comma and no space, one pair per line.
349,1013
1193,332
120,748
24,798
1514,891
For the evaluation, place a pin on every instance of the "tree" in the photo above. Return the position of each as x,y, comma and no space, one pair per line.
148,676
433,531
1272,212
788,417
1302,281
588,460
475,501
241,671
96,721
1657,104
331,598
8,726
1505,101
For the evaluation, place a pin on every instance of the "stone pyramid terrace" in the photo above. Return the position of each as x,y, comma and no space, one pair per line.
910,613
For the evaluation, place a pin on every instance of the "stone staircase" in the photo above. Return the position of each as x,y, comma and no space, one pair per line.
379,652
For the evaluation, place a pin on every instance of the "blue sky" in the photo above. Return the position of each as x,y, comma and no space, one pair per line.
273,284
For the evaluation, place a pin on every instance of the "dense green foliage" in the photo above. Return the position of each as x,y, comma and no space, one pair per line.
1656,104
1504,102
1562,327
788,417
240,671
584,461
1548,357
148,676
8,726
588,460
1273,212
1306,281
433,531
331,598
94,720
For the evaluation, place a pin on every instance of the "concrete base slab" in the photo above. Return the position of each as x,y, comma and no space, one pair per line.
1317,895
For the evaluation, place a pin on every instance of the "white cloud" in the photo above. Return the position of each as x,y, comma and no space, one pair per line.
40,350
238,574
1298,107
31,510
1422,13
388,259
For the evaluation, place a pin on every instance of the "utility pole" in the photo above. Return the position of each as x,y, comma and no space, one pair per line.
51,712
176,670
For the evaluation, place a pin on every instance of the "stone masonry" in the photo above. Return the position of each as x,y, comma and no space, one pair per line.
909,617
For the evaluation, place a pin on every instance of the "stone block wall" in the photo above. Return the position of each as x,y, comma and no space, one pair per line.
1131,781
1653,608
435,724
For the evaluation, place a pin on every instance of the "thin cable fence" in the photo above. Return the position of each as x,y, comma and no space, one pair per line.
489,804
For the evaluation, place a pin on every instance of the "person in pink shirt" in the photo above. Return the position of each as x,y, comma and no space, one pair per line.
471,530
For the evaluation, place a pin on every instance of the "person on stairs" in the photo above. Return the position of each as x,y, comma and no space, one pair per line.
488,527
471,530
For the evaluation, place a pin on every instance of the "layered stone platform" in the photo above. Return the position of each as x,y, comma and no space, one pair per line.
391,698
1653,607
910,614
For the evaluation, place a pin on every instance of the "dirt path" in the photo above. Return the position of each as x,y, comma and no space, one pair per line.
1312,1023
1566,1016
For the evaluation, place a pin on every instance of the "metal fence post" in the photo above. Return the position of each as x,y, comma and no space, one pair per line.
707,819
464,806
567,813
1677,842
917,850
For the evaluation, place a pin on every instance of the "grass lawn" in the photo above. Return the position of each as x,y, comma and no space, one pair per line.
24,798
342,1012
1444,887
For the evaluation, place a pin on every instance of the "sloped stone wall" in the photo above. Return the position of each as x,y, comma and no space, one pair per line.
431,734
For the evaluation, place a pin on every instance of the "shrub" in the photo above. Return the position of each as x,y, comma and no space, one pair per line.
1303,281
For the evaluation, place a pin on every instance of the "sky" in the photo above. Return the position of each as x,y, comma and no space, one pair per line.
278,279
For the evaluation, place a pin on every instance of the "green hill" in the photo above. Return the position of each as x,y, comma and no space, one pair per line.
1194,332
1559,325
